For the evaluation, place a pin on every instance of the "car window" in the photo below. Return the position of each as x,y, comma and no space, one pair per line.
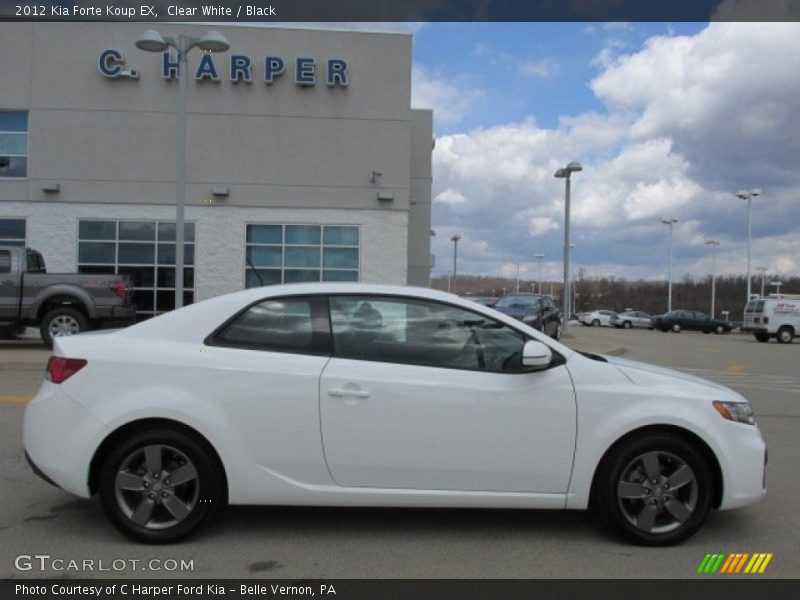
419,332
5,261
518,301
281,324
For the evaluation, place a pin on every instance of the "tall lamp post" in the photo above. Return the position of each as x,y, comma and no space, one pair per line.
671,221
455,239
153,41
763,271
748,195
713,244
518,263
565,173
539,257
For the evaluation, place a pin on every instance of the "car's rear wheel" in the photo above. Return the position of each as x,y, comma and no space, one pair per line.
761,337
158,486
557,332
676,327
654,490
62,321
627,325
719,329
596,323
785,335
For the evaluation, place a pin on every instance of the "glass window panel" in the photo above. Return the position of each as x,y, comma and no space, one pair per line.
264,234
97,230
96,252
14,143
136,253
303,234
5,261
166,277
137,230
12,228
340,258
97,269
165,300
166,254
265,256
13,166
300,275
341,236
11,242
302,256
13,120
273,324
166,232
143,299
259,277
141,276
188,297
340,276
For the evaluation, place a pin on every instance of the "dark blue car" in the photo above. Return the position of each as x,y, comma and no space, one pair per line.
535,310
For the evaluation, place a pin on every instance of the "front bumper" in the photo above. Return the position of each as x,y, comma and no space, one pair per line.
744,471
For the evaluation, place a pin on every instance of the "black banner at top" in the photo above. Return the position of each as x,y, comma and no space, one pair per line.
283,11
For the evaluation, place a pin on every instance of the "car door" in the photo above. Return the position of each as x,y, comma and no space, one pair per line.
9,290
424,395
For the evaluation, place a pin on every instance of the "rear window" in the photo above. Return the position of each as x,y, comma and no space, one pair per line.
756,306
5,261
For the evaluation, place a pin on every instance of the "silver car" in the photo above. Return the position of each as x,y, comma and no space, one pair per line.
632,318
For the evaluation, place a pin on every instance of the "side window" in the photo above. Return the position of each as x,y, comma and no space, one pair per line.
410,331
5,261
282,324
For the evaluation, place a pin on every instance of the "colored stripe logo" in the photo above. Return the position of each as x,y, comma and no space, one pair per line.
735,563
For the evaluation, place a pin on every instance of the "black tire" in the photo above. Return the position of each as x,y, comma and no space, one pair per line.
74,318
627,325
676,327
694,498
785,335
206,490
761,337
719,329
596,323
557,332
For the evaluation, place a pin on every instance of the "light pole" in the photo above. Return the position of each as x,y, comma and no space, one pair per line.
539,257
763,271
516,262
455,239
777,285
713,244
745,195
153,41
565,173
671,221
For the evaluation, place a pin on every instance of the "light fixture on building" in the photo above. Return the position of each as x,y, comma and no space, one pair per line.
385,196
375,176
51,187
221,191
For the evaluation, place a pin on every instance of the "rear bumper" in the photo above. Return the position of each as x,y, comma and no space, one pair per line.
118,316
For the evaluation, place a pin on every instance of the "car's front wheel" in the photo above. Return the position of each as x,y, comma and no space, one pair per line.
158,486
719,329
596,323
557,332
676,327
654,490
762,337
627,325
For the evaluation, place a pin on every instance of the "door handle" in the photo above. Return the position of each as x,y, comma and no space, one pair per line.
347,393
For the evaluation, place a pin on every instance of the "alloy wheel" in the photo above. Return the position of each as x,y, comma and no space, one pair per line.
62,325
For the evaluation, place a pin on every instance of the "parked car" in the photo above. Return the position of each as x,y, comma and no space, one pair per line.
632,318
596,318
59,304
485,300
349,394
773,317
678,320
535,310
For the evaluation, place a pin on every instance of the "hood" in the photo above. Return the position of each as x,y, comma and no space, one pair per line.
513,311
651,375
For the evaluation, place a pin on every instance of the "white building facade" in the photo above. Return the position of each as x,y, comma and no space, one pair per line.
305,161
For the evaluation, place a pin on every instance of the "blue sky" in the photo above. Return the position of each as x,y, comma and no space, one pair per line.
668,120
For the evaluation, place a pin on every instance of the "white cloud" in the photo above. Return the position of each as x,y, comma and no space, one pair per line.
541,225
450,196
543,67
451,99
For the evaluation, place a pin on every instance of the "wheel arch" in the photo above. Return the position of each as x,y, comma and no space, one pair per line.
134,427
686,435
69,299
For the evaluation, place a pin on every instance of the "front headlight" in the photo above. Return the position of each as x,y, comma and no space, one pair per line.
741,412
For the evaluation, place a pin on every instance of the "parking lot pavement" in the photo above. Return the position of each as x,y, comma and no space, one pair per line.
321,542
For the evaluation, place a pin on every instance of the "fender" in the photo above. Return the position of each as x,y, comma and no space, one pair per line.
71,294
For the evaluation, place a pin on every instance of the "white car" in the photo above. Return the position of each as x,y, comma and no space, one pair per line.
363,395
596,318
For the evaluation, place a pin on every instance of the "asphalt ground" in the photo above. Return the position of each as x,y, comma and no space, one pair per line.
284,542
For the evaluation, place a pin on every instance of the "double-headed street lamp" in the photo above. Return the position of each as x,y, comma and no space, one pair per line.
455,239
539,257
671,221
748,195
713,244
153,41
565,173
763,271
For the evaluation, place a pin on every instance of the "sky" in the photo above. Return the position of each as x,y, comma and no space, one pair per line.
668,120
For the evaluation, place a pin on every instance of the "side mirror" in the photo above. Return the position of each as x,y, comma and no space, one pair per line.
537,355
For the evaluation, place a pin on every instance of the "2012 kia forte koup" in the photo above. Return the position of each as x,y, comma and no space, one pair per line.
362,395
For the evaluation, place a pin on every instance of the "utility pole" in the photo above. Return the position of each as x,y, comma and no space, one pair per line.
713,244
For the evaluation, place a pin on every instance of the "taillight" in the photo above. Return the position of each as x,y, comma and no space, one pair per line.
59,369
120,289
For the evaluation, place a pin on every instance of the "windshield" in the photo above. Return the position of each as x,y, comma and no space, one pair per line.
756,306
513,301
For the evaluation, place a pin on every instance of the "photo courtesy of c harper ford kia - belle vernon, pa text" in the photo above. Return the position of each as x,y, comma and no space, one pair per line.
420,300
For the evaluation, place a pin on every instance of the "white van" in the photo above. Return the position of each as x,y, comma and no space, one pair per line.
773,317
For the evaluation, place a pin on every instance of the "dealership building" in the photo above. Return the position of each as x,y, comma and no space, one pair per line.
305,161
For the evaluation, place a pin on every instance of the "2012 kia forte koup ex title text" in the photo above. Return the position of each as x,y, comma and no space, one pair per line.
362,395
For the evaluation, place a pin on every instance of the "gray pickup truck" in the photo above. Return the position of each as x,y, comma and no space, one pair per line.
59,303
